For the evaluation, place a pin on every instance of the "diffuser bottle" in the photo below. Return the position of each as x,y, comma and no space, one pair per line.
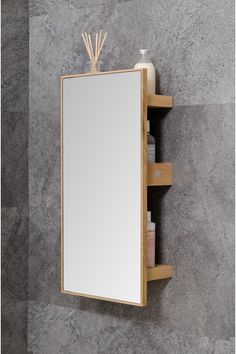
145,63
151,145
150,241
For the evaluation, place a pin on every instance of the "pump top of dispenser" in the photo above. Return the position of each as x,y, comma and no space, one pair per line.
144,57
143,51
149,216
148,126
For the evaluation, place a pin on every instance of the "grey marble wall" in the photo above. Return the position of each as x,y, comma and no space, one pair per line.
14,198
192,48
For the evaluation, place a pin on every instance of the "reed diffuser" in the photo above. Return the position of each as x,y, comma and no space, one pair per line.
94,51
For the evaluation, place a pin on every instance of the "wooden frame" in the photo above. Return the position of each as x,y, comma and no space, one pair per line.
143,184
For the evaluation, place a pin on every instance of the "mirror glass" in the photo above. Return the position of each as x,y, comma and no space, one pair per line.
102,186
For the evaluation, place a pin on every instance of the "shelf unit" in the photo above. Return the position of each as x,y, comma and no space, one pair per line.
160,174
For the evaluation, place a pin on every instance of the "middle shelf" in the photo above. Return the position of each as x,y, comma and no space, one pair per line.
160,174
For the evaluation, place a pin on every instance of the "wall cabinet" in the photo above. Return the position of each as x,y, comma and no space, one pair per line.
105,176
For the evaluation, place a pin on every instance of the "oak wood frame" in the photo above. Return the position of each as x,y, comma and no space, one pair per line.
143,184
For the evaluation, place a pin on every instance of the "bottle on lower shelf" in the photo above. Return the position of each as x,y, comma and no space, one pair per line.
151,144
150,241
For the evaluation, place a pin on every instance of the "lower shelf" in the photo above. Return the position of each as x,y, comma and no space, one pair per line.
160,271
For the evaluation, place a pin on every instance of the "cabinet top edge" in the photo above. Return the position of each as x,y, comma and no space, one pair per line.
102,73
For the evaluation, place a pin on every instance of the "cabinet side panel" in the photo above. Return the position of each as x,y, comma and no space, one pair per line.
144,185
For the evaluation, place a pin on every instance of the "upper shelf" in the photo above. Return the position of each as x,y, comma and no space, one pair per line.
160,101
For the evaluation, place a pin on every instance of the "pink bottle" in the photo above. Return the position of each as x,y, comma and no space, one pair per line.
150,241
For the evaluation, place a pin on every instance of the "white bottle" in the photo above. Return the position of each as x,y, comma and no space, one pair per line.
151,145
145,63
150,241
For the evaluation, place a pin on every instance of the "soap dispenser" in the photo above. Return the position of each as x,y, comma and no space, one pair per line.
145,63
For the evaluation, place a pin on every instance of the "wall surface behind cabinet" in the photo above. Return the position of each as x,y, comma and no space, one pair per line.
192,44
14,179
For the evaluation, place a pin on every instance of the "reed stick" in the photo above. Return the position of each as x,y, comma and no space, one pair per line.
101,46
91,46
86,45
87,40
90,50
99,38
96,46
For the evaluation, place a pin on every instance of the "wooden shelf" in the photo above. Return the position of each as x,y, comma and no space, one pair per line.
160,271
160,174
160,101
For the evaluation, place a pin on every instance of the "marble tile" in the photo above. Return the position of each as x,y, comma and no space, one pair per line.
195,217
15,7
56,329
44,161
14,131
14,328
44,254
224,347
14,216
14,254
43,7
15,61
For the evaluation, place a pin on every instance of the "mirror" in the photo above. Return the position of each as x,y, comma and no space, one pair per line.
103,187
